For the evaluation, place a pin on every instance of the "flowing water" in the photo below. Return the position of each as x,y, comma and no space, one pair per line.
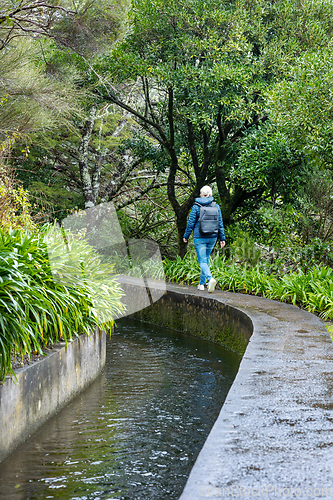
135,433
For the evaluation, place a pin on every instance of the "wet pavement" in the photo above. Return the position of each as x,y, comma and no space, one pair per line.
273,437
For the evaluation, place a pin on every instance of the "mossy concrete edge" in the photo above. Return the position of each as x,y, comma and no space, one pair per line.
273,436
200,316
44,387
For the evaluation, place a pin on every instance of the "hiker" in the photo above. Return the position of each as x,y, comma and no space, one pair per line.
207,226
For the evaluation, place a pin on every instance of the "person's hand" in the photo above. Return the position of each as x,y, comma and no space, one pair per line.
222,243
184,240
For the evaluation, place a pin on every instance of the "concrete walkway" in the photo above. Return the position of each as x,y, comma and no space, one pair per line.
274,435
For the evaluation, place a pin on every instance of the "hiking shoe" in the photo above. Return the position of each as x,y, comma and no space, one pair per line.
211,285
201,287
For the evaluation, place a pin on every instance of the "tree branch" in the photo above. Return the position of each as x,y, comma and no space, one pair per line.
192,148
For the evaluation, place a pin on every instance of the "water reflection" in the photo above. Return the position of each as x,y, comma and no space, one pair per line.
136,431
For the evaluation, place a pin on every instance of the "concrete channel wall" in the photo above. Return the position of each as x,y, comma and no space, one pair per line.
201,316
274,435
44,387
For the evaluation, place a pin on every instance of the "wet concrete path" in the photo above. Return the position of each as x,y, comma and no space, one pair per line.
274,435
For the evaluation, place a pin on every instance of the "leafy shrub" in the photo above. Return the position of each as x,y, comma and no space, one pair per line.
35,309
14,203
244,250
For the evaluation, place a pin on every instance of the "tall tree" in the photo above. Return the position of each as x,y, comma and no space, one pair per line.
80,25
88,159
29,99
301,107
33,91
45,50
200,71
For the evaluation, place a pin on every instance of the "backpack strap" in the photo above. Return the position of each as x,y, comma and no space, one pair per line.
213,203
198,215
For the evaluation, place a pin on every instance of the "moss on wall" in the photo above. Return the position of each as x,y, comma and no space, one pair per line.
201,316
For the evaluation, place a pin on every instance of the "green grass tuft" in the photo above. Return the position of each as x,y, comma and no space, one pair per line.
311,289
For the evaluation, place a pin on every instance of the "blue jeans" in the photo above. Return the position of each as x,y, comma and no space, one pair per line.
204,247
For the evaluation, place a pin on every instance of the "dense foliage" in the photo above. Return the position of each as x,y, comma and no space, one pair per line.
37,310
195,76
236,94
312,290
141,103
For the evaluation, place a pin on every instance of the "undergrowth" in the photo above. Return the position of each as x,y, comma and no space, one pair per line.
312,288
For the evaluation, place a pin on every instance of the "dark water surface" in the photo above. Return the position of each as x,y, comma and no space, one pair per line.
135,433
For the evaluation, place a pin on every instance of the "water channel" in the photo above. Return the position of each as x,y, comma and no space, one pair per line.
135,433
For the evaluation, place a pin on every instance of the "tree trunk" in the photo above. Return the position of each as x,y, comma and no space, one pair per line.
181,226
87,188
226,202
230,203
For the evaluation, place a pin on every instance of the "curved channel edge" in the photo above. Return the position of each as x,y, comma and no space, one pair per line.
273,436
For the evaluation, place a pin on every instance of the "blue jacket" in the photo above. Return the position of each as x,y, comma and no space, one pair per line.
193,221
